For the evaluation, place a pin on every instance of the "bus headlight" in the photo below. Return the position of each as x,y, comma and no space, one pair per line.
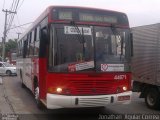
59,90
54,90
121,89
124,88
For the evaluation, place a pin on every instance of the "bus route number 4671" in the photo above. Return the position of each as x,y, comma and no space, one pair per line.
120,77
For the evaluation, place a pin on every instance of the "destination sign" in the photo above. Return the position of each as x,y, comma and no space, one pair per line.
77,30
97,18
89,15
66,15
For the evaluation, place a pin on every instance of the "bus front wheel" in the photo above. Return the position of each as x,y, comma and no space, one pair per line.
36,95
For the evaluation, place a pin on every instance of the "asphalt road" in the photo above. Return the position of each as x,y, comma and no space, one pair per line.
14,99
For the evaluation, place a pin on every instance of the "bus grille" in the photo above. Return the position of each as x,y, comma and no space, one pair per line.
89,102
93,87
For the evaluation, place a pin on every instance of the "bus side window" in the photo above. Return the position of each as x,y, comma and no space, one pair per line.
20,48
28,44
22,45
31,48
25,44
36,39
43,42
37,33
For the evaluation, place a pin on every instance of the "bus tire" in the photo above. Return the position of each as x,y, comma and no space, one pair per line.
36,96
152,98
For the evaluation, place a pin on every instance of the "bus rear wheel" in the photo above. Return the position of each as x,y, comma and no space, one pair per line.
152,98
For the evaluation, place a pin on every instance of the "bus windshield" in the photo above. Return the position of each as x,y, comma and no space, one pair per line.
103,49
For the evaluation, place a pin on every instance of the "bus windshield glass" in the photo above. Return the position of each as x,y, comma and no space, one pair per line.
112,49
102,49
70,45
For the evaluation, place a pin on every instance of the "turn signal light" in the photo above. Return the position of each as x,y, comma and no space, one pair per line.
51,90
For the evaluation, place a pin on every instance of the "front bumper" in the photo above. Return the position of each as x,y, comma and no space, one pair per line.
61,101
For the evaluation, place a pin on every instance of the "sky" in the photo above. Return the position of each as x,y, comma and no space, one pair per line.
139,12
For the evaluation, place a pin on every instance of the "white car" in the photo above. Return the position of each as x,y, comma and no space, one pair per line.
6,68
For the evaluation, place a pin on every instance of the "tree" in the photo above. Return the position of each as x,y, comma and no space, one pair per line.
11,45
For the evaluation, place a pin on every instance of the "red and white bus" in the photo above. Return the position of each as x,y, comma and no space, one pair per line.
77,57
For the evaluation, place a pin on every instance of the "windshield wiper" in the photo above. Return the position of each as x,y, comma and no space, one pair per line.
115,32
80,37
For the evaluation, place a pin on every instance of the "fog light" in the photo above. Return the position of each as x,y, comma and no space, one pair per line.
124,88
59,90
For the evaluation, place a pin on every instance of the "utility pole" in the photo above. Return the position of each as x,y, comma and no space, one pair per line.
7,12
17,38
19,34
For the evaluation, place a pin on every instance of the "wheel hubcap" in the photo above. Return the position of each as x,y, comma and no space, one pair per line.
151,99
37,93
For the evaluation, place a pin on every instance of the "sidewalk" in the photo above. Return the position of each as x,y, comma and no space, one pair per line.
4,106
11,106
